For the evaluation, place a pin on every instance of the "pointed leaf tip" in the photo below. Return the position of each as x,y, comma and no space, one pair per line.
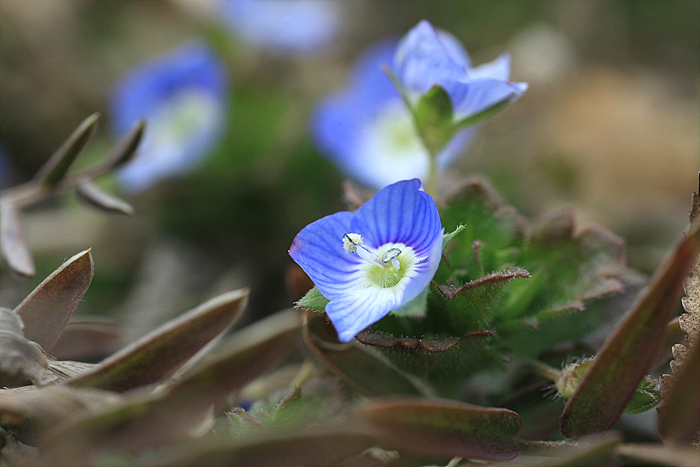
93,196
58,164
48,308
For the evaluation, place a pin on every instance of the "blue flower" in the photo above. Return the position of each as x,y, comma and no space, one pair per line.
367,130
375,260
183,95
288,26
426,57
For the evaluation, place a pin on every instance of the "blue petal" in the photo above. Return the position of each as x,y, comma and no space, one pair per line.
426,270
422,60
318,249
497,69
399,213
454,48
141,93
472,97
356,311
290,26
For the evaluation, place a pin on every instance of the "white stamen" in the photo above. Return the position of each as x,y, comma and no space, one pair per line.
351,241
390,256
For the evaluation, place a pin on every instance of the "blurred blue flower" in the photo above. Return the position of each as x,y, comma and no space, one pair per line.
367,130
375,260
426,57
183,95
288,26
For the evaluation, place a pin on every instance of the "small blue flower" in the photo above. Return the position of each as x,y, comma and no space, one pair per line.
288,26
375,260
367,130
183,95
426,57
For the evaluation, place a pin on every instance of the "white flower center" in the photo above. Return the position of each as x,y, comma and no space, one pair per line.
385,266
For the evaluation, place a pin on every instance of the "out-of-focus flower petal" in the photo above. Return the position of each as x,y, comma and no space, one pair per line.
287,26
183,97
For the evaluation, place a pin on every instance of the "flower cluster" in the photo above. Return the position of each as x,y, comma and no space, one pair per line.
369,131
183,95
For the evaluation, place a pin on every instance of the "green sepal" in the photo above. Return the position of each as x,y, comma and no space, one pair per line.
449,236
433,114
313,300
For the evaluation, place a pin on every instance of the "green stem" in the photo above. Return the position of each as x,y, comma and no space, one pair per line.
431,186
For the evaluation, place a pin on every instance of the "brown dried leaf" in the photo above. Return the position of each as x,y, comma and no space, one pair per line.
658,454
161,353
14,244
95,197
48,308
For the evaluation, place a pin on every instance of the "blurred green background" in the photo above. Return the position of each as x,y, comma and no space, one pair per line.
610,125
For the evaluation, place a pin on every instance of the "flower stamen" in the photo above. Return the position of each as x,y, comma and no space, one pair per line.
352,243
390,256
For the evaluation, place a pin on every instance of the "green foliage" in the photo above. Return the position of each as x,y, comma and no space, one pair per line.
529,287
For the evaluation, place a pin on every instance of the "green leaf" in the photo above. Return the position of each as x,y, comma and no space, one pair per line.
445,428
629,353
449,236
366,371
313,300
433,116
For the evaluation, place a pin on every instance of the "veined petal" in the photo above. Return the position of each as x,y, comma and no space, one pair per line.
399,213
497,69
454,48
359,309
422,60
472,97
426,270
318,249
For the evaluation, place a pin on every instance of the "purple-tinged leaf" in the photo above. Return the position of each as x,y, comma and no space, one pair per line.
583,453
630,352
14,245
57,166
444,428
95,197
159,354
658,454
149,418
489,280
48,308
679,416
21,360
320,448
30,410
87,337
366,371
127,146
